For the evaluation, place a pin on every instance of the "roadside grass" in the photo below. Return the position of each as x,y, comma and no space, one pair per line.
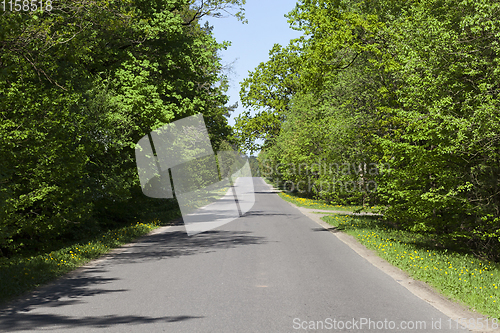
449,269
21,274
269,181
300,201
318,204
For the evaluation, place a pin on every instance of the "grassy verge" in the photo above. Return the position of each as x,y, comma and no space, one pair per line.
454,272
317,204
269,181
300,201
22,274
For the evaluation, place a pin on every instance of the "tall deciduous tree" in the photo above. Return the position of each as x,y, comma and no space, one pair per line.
79,85
268,90
413,86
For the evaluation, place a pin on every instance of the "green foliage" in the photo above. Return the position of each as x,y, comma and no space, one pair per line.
254,166
444,149
268,90
410,89
321,205
79,86
322,146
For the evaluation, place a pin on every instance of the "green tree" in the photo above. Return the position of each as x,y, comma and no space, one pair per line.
268,90
79,85
444,147
413,86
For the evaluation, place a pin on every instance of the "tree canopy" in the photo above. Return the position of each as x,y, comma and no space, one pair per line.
393,103
79,86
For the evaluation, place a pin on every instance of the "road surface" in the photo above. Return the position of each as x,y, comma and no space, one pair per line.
272,270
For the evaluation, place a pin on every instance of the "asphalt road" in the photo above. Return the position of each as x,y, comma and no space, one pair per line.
272,270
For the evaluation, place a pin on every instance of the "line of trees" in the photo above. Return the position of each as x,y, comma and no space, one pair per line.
411,87
79,86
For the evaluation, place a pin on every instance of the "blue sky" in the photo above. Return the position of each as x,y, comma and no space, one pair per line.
250,43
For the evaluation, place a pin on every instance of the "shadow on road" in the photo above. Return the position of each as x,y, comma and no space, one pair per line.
331,229
31,322
178,243
264,213
68,291
26,314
